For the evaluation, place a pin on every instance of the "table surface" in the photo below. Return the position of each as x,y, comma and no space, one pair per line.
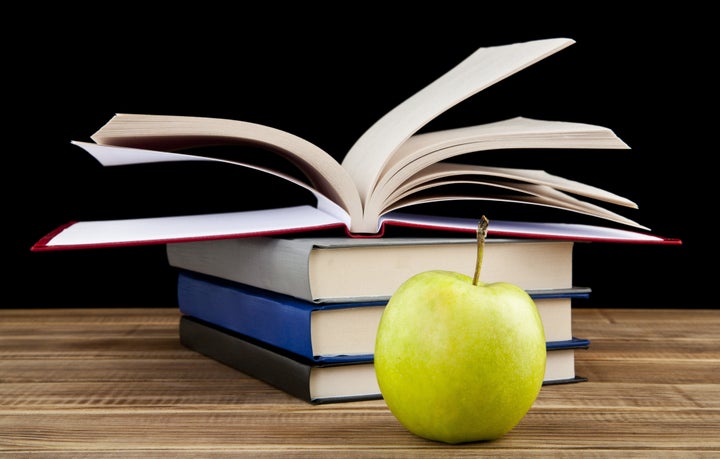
117,383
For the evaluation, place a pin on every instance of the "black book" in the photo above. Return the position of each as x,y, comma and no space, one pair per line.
315,382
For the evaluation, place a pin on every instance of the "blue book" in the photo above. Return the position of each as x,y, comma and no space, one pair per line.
324,333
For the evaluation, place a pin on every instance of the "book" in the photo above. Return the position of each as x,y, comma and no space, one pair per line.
341,269
308,380
560,363
327,333
393,165
316,382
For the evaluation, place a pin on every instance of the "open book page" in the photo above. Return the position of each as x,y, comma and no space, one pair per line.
485,67
185,228
441,172
421,151
160,132
522,229
536,191
332,181
111,155
272,222
327,215
521,193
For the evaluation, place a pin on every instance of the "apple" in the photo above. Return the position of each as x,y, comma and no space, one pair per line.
458,360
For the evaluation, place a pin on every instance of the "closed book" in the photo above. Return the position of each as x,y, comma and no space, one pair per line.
560,365
305,379
315,382
340,269
333,332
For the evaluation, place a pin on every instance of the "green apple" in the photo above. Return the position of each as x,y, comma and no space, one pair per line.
458,360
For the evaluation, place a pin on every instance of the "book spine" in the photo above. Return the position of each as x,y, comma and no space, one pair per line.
284,323
276,264
263,364
574,343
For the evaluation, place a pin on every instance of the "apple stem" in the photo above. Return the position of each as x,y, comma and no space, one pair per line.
481,235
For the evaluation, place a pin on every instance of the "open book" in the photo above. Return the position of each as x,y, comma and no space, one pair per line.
391,167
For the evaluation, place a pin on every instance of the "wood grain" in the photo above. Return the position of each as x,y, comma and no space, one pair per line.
117,383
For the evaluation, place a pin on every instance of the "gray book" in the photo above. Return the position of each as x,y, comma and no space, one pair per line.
327,270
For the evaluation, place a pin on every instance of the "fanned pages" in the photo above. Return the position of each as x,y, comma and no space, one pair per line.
389,168
485,67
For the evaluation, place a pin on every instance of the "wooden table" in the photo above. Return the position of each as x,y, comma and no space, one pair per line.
116,382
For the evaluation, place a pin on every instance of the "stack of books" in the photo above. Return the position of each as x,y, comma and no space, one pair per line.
301,313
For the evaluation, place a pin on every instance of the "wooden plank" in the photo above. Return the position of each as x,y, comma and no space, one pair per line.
117,383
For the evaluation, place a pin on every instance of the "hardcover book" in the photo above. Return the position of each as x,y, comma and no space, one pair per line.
341,269
318,383
328,333
392,166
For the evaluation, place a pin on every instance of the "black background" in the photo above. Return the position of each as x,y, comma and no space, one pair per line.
326,75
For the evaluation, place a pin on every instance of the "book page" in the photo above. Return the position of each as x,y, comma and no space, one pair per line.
485,67
110,155
525,193
523,229
440,172
184,228
168,133
424,150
